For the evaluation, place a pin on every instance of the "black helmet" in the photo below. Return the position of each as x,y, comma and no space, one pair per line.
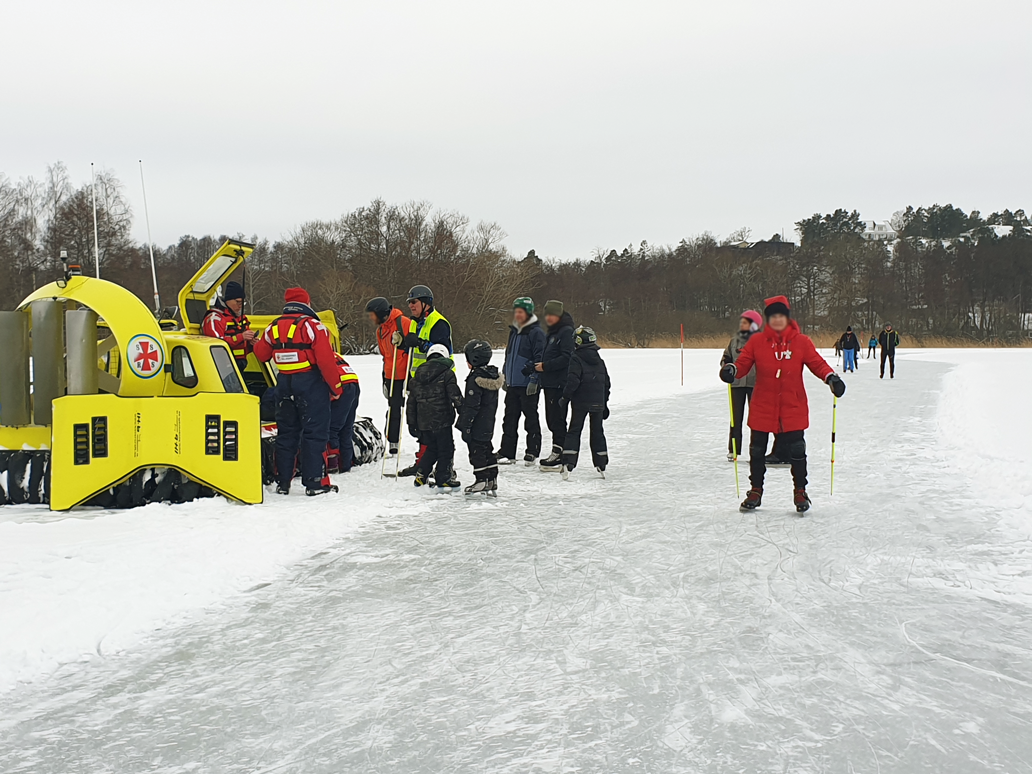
379,306
478,353
421,293
584,336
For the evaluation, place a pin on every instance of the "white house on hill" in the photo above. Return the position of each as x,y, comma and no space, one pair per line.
879,230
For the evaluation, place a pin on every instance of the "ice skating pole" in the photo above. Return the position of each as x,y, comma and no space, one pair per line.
734,445
682,354
390,408
401,434
834,414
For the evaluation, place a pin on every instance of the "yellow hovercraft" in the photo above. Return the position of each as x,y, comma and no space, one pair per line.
102,404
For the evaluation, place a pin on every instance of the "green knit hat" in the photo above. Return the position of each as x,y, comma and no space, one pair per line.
554,307
526,303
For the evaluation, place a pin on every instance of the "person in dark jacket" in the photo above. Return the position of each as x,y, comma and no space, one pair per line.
477,417
888,340
850,346
524,350
587,393
741,389
552,370
433,399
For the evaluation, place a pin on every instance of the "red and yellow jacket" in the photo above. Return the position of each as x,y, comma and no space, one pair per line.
221,323
297,342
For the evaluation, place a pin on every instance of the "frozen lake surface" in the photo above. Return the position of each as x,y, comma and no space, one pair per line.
637,624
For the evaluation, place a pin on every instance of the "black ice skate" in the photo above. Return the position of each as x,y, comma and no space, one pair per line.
553,461
752,500
529,459
802,501
313,491
487,488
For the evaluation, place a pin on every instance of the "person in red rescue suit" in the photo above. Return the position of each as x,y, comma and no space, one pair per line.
391,327
342,418
779,352
299,346
226,320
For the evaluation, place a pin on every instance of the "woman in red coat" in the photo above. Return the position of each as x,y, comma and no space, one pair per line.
779,405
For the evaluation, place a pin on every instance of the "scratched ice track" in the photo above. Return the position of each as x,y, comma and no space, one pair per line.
636,625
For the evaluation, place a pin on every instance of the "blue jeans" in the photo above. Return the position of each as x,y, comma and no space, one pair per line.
849,360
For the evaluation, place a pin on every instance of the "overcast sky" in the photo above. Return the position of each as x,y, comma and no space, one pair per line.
572,125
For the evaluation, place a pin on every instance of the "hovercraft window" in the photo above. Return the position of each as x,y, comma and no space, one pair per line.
227,369
183,372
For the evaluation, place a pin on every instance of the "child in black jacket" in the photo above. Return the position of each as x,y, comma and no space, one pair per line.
587,391
477,417
433,399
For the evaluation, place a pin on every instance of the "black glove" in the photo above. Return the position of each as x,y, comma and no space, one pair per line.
838,387
413,431
528,369
728,373
411,341
605,413
532,388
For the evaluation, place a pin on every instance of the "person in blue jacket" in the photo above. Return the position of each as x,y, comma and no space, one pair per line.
524,351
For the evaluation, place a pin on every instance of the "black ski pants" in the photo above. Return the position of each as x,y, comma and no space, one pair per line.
440,451
302,422
517,404
571,447
483,460
395,408
555,416
793,442
889,355
739,397
870,352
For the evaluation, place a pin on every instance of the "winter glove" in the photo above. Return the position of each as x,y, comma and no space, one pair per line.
729,373
528,369
605,413
410,341
532,388
563,403
838,387
397,338
386,392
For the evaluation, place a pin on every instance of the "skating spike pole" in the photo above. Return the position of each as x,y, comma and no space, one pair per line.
734,444
834,415
397,459
682,354
390,408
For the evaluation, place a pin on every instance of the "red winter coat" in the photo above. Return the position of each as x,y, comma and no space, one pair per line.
778,403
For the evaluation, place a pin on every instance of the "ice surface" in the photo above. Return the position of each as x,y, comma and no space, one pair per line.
637,624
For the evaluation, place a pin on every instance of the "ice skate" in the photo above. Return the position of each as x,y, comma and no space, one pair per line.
506,461
752,500
282,490
553,461
313,491
420,479
529,460
601,470
731,457
802,501
408,472
488,488
565,472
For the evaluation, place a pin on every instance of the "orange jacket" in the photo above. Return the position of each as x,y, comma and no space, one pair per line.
396,322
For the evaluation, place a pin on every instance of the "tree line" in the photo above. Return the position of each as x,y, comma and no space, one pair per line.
950,274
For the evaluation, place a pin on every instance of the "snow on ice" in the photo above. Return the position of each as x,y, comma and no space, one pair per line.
636,624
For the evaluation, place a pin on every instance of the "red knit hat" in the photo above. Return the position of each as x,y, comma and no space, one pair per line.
777,305
297,296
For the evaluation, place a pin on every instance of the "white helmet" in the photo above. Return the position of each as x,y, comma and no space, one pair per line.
437,350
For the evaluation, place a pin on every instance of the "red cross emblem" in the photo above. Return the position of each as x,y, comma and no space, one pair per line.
145,356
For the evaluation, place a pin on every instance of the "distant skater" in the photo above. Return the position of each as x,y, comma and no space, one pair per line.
888,339
872,347
741,389
850,346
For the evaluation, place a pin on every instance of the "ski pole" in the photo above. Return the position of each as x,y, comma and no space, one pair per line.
734,443
390,408
404,399
834,414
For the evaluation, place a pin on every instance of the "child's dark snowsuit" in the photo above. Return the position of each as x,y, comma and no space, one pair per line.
477,420
587,392
433,398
